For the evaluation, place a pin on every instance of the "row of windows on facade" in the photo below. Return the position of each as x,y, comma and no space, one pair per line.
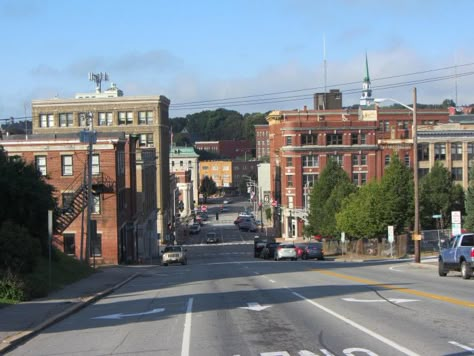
70,245
439,150
331,139
102,119
67,164
181,163
225,168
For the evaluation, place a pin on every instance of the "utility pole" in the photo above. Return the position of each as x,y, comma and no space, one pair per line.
416,229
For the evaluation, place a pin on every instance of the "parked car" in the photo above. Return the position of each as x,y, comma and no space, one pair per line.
195,229
247,224
212,238
269,250
458,255
258,248
299,250
312,250
174,254
285,251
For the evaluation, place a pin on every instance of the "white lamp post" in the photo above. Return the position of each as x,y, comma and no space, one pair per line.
416,228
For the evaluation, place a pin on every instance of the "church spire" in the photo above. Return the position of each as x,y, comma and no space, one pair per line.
366,98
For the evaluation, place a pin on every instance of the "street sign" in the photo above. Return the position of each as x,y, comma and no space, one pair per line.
391,235
437,216
456,217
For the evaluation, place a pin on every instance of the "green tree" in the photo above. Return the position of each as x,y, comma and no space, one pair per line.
438,195
323,202
25,198
396,193
362,212
447,103
469,217
207,188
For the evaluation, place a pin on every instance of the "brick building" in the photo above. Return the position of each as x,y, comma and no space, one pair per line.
361,141
262,142
123,193
145,117
228,174
231,149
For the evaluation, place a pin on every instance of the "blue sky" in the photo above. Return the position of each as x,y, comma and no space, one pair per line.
196,51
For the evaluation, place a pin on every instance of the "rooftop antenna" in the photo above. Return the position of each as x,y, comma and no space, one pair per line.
98,78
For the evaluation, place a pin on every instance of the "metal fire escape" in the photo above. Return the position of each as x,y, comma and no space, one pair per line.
65,215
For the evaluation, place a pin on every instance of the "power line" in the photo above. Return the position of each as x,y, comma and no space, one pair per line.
253,99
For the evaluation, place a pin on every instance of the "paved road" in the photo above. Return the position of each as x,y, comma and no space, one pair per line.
225,302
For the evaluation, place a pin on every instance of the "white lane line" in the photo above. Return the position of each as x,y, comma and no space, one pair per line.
358,326
271,280
187,329
394,268
462,346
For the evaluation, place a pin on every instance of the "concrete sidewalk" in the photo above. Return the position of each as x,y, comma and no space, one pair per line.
21,321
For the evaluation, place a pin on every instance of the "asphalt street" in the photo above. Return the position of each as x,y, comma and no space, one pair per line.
226,302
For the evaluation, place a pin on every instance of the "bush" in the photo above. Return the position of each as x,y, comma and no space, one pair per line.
19,251
12,287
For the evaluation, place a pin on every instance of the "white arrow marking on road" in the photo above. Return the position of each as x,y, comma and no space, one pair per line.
393,300
256,307
121,315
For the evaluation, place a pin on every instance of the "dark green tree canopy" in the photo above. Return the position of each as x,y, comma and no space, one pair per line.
208,187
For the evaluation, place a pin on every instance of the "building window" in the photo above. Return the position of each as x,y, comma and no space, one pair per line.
456,173
40,163
363,138
65,120
310,161
84,119
407,160
66,165
68,199
456,151
309,139
337,158
423,152
145,117
309,179
440,151
470,151
289,161
125,118
95,165
355,160
334,139
288,140
69,244
289,180
106,119
354,138
363,178
46,120
215,168
95,203
355,178
145,140
387,160
96,246
423,172
363,159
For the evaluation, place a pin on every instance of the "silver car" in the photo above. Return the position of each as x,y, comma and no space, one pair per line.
285,251
174,254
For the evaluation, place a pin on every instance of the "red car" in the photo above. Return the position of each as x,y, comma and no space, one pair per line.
299,251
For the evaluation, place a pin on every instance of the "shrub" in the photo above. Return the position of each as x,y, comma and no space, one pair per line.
12,287
18,250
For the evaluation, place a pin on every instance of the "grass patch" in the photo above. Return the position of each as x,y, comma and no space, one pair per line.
64,270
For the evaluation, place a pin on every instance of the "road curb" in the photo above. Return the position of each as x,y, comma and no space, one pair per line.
15,340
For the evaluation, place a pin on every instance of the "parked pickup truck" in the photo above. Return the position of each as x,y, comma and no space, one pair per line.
458,255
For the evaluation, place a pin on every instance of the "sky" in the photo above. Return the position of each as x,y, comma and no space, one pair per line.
244,55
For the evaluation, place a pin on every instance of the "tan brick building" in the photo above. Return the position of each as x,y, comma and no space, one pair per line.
145,117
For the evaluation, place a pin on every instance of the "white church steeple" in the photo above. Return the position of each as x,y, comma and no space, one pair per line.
366,98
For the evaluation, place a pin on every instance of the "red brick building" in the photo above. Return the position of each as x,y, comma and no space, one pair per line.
123,203
361,141
227,148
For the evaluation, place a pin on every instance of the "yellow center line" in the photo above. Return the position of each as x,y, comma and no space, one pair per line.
442,298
